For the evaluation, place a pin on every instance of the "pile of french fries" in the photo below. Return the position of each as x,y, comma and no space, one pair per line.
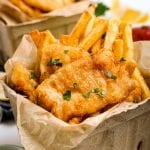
35,8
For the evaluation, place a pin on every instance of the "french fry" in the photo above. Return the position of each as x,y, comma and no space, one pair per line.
118,49
96,21
81,25
128,53
45,5
91,22
77,31
36,36
47,37
126,33
41,39
68,40
26,9
96,47
111,34
95,34
89,27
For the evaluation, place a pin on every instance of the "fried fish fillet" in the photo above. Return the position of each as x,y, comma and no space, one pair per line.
24,81
56,56
93,91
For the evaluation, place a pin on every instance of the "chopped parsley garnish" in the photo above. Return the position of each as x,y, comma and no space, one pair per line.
67,95
55,62
32,75
75,85
113,77
87,95
100,9
102,93
66,51
109,75
97,91
122,59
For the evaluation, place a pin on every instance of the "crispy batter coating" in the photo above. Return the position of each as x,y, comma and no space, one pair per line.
88,77
65,54
23,80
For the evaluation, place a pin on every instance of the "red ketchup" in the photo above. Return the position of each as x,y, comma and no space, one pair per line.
141,33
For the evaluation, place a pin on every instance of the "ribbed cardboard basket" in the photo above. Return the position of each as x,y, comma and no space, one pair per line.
127,131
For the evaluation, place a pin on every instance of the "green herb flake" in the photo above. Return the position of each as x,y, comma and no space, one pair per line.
122,59
67,95
100,9
75,85
102,93
87,95
95,90
99,92
109,75
55,62
66,51
50,63
32,75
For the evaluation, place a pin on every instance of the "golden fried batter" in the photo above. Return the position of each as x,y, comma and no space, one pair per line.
94,89
59,54
24,81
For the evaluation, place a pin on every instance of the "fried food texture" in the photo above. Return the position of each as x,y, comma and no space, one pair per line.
84,72
24,81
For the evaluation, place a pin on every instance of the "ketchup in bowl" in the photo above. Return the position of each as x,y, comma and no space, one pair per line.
141,33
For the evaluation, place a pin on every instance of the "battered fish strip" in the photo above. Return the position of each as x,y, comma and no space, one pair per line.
94,91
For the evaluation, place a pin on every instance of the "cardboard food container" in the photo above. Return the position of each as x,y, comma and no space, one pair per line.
125,126
58,22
